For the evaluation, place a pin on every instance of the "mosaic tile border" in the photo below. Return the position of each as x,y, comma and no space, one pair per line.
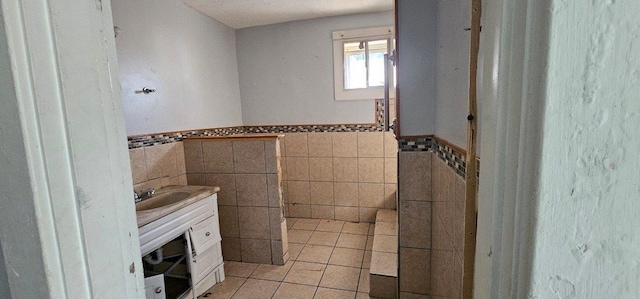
380,112
421,144
452,157
162,138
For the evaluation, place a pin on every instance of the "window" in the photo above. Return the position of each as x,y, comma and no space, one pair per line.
359,62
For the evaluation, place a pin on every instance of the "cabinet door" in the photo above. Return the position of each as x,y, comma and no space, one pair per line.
154,287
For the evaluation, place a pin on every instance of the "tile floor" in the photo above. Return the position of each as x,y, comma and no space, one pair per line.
328,259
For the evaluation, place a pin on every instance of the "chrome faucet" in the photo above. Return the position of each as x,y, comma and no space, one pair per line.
146,194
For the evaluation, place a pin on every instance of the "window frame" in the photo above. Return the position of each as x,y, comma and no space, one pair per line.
358,35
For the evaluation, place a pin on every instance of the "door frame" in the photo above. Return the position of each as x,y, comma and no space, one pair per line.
513,51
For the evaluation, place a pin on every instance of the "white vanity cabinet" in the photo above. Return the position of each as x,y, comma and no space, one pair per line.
200,225
205,261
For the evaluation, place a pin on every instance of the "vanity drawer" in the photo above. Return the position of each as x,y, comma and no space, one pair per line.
202,264
204,235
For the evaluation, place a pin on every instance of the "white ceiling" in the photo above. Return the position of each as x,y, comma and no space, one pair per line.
247,13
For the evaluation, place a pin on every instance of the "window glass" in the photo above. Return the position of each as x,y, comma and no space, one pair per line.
355,65
377,49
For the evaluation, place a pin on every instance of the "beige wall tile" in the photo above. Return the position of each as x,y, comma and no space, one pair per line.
251,190
161,161
297,145
390,145
276,216
439,238
347,213
445,210
193,157
345,169
300,210
231,249
371,195
322,212
196,179
277,253
458,232
390,200
255,251
297,168
321,193
298,192
385,243
415,224
460,192
138,165
384,263
321,169
383,286
252,222
390,170
182,180
415,273
458,269
272,155
274,190
228,222
367,215
283,167
371,144
405,295
371,170
227,184
320,145
180,158
443,184
414,181
281,143
346,194
217,156
345,144
442,268
249,157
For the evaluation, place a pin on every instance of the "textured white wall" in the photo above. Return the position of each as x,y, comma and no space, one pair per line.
286,72
452,70
416,54
189,58
587,240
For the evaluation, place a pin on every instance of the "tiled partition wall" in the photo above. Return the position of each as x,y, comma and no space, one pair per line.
431,216
339,175
250,201
159,165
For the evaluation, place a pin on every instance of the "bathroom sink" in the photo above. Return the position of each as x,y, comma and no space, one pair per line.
169,199
162,200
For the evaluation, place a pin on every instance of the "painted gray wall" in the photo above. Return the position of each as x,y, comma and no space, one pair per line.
189,58
416,66
452,70
286,72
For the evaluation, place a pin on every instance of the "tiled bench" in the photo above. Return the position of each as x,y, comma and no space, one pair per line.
383,273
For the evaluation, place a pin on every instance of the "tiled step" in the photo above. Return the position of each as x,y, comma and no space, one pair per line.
383,273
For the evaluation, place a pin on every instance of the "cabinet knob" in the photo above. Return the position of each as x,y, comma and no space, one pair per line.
158,290
207,234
